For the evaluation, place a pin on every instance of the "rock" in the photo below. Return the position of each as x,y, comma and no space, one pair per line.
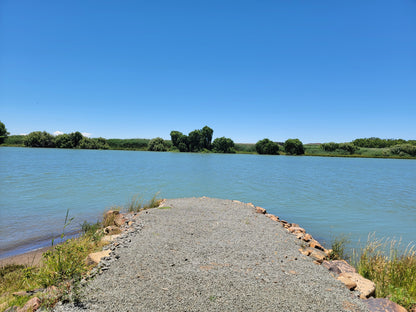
351,285
111,230
315,244
21,294
307,237
317,255
94,258
272,217
339,266
305,252
119,220
32,305
296,229
110,216
366,287
109,238
383,305
260,210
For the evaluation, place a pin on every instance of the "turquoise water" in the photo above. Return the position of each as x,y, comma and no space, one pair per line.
327,196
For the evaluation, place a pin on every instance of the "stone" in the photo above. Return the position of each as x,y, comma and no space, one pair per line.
21,293
94,258
119,220
366,287
305,252
111,230
110,215
315,244
307,237
32,305
296,229
260,210
317,255
383,305
340,266
109,238
272,217
351,285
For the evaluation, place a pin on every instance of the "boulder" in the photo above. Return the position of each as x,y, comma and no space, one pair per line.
366,287
383,305
110,216
351,285
315,244
296,229
260,210
94,258
111,230
339,266
109,238
32,305
119,220
272,217
318,255
307,237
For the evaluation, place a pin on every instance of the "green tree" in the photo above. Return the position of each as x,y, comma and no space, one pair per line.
157,145
223,145
39,139
330,147
266,146
183,143
194,140
76,137
294,147
63,141
175,135
206,136
3,133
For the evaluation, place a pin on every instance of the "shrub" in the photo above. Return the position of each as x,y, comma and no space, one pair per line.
403,149
39,139
223,145
330,147
294,147
266,146
157,145
348,147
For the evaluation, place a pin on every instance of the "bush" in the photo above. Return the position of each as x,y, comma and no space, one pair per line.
404,149
130,144
157,145
39,139
330,147
266,146
348,147
223,145
294,147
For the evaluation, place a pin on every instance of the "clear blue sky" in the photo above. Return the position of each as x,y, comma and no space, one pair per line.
317,70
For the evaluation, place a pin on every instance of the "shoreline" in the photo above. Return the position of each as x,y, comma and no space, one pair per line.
29,258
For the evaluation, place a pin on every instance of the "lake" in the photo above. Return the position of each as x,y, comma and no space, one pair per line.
326,196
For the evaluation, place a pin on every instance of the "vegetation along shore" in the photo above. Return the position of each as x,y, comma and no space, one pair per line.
200,141
81,269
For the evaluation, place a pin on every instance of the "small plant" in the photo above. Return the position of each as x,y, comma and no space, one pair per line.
338,248
153,202
109,218
136,203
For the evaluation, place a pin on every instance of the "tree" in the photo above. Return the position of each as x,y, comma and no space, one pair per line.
194,140
183,143
3,133
223,145
206,136
76,137
294,147
266,146
175,135
157,145
39,139
63,141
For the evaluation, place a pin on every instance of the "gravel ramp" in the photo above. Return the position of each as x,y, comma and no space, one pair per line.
205,254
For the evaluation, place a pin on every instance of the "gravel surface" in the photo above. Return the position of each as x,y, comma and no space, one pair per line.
205,254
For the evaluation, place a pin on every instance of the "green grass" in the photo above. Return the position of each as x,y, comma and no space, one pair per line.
137,203
385,262
391,267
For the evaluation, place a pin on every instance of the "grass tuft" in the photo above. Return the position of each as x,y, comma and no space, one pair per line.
338,248
391,267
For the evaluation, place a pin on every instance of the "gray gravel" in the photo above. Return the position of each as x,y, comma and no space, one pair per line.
207,254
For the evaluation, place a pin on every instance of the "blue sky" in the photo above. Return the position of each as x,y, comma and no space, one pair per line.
319,71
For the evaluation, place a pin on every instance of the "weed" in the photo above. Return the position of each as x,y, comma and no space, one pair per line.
338,248
391,268
165,207
108,218
137,204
